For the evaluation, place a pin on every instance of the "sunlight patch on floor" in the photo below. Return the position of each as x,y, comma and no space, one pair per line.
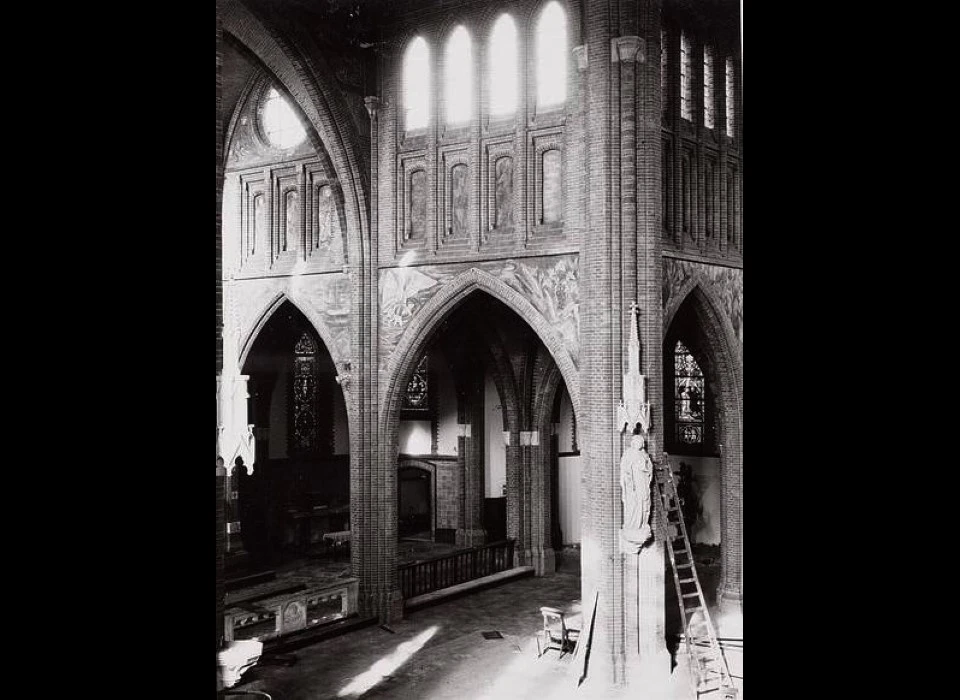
387,665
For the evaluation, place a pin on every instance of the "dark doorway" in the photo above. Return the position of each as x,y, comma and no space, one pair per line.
416,512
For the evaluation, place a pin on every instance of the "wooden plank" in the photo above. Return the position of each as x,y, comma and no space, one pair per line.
581,653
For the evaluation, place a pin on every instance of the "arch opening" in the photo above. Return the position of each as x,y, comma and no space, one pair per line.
702,437
483,402
300,489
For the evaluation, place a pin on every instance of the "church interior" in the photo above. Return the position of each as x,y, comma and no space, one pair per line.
479,348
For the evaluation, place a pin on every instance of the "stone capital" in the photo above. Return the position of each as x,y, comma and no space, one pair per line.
627,49
372,104
580,52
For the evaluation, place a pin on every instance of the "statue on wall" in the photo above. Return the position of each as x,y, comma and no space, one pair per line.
460,201
636,467
417,220
503,197
324,223
636,472
634,408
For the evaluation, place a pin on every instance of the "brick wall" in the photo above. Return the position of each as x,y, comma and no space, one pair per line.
448,495
220,537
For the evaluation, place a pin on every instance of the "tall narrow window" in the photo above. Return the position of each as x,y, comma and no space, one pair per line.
664,100
689,396
416,85
458,63
551,56
503,67
708,96
685,203
305,433
729,96
686,77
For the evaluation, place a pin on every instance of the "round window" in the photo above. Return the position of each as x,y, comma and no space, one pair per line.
278,121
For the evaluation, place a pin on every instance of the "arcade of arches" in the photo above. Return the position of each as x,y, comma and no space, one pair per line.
426,293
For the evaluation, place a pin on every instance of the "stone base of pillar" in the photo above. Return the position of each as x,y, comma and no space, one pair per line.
729,621
471,538
234,543
543,561
387,606
393,608
236,561
651,673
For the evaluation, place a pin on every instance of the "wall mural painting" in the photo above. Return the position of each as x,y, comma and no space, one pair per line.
325,297
552,198
327,235
550,284
291,208
416,227
459,201
726,283
503,197
259,224
326,222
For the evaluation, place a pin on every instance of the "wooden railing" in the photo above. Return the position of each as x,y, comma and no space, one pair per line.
419,577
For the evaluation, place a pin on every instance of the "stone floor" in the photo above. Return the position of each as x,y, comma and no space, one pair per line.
439,653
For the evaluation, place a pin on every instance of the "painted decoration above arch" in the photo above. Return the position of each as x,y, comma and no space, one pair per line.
323,299
550,284
725,284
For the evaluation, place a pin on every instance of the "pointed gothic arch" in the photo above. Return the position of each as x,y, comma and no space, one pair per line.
419,332
726,360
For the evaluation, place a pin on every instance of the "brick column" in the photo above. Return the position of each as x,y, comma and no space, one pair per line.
221,472
654,657
514,487
601,564
541,535
730,593
373,472
620,263
470,452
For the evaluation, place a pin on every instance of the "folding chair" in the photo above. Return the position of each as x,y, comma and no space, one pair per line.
555,633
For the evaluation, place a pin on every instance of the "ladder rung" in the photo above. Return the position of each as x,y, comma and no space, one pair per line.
691,595
685,566
687,580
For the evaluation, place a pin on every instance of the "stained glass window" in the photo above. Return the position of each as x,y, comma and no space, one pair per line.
686,77
664,101
730,96
305,404
416,396
708,104
689,396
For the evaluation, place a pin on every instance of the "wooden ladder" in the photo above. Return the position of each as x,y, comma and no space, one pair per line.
703,647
